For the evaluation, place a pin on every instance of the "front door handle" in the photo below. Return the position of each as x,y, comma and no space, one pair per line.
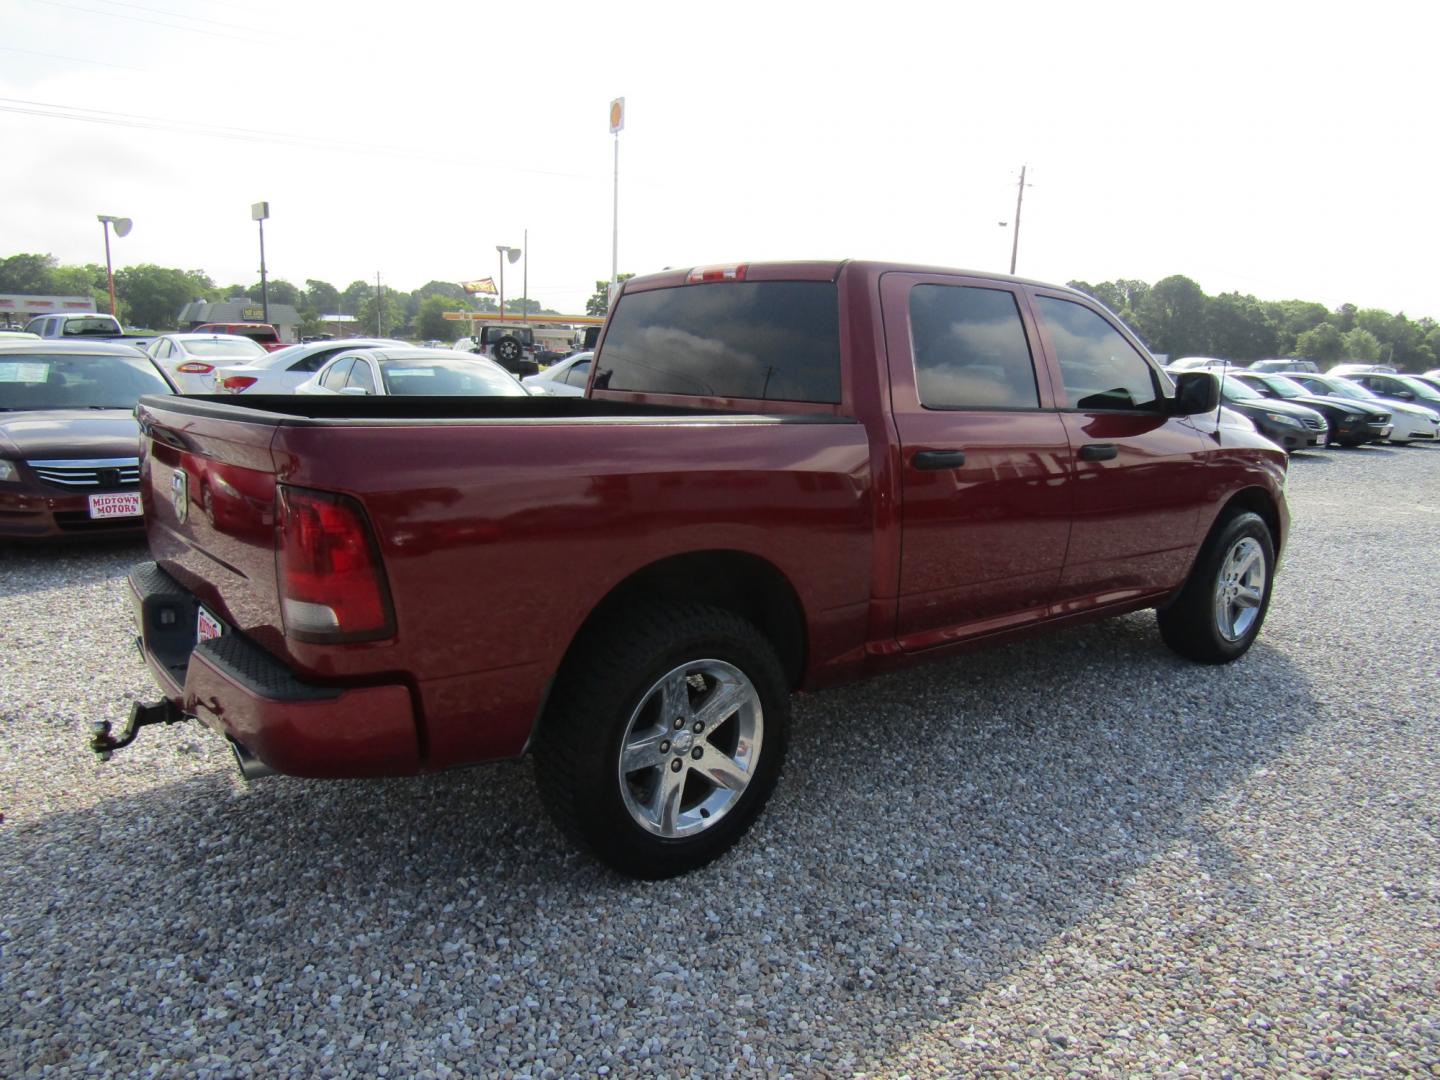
1098,451
939,459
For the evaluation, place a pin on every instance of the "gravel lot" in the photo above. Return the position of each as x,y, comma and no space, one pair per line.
1074,856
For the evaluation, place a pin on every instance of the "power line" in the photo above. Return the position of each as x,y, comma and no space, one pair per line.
81,114
72,59
152,22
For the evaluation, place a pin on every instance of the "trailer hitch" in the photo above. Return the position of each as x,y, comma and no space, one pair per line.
104,744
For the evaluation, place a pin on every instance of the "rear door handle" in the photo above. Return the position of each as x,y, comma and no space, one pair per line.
1098,451
939,459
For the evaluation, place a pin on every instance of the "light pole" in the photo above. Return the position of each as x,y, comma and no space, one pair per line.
259,212
617,125
513,254
122,228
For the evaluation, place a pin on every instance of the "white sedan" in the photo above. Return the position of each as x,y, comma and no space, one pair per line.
411,371
1410,422
190,359
283,370
565,378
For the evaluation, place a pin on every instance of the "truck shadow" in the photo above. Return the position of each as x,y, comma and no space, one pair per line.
934,830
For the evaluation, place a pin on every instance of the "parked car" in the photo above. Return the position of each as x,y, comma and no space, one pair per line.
1356,367
1284,365
1409,423
9,335
410,371
784,476
282,371
1406,388
567,378
1430,378
1288,425
190,359
511,345
69,443
263,334
1200,363
1351,423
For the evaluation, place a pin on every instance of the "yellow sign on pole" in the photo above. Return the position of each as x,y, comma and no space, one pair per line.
617,115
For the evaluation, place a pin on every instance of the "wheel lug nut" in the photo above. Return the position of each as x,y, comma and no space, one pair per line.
675,764
679,722
665,746
696,753
698,728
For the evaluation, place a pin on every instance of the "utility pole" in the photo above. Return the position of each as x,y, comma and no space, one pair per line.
617,124
1015,244
525,276
379,304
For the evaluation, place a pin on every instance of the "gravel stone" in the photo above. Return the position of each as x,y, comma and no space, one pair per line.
1077,855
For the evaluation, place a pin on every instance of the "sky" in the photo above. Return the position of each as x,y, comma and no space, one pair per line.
1284,150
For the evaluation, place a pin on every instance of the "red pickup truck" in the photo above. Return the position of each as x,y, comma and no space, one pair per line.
783,476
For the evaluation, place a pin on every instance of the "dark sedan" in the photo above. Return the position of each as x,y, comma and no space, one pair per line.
1292,427
69,444
1352,423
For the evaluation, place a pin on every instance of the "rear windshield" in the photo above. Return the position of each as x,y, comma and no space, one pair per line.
81,327
234,345
432,376
775,340
74,381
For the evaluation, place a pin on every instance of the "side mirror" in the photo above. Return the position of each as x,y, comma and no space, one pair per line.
1405,395
1196,392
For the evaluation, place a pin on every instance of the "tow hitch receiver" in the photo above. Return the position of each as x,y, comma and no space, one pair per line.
104,744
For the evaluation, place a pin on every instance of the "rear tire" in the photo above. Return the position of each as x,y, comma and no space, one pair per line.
664,738
1218,613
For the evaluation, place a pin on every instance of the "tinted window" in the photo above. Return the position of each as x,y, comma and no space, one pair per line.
40,381
334,378
314,362
430,376
578,375
970,349
1101,370
360,376
776,340
232,346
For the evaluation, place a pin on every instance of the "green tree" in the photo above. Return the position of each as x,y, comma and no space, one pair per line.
154,295
599,303
321,298
430,321
88,280
280,292
523,306
1360,344
355,294
1238,327
32,274
1171,318
1322,344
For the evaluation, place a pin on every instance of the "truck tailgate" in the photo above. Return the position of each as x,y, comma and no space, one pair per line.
208,487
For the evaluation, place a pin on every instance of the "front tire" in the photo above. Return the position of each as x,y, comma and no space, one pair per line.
1219,611
664,738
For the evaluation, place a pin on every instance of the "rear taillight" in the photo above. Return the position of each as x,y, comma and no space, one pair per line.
331,584
717,273
234,384
194,367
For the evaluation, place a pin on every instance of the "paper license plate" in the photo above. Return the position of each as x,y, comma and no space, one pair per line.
207,626
122,504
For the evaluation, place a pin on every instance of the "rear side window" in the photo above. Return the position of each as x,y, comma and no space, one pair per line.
770,340
970,349
1100,368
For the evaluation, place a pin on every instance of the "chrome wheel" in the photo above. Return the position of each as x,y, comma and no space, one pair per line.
1240,588
690,748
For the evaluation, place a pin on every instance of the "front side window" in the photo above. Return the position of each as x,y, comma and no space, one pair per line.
335,376
767,340
970,349
578,375
1100,369
360,376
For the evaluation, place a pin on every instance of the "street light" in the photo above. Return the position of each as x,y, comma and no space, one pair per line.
122,228
513,254
259,212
